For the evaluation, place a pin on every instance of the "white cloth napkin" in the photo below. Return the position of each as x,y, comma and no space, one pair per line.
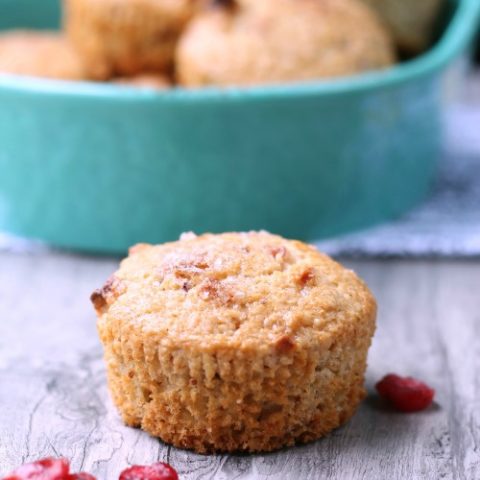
448,223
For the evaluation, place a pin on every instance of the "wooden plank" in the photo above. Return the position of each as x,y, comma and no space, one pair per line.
53,398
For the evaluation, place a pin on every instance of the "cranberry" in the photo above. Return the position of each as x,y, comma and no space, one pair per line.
157,471
47,469
405,393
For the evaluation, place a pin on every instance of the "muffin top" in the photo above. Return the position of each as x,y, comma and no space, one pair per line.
270,41
39,54
234,290
122,10
131,19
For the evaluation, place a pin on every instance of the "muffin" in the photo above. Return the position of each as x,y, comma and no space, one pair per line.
145,81
126,37
272,41
411,21
235,342
39,54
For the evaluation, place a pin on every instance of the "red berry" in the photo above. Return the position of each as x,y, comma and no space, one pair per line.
157,471
405,393
46,469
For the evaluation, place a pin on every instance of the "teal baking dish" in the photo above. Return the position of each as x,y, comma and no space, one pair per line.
99,167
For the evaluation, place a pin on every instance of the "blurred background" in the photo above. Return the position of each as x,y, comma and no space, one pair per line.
354,124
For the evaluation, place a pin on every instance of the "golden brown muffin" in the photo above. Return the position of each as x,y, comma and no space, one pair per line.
148,81
235,342
39,54
271,41
411,21
126,37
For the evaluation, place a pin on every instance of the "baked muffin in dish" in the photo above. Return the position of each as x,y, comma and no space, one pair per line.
39,54
145,81
411,21
126,37
272,41
235,342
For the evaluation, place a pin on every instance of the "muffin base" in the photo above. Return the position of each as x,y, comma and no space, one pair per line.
230,401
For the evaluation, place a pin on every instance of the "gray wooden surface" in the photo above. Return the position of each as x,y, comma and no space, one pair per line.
53,398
